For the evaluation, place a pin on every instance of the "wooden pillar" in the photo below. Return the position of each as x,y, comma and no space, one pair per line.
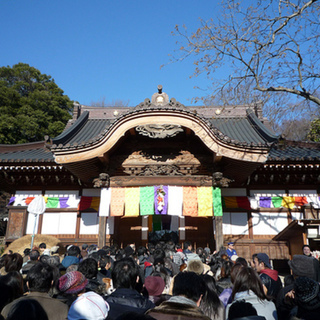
219,233
102,232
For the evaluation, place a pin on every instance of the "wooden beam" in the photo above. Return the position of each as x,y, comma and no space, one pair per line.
219,233
102,232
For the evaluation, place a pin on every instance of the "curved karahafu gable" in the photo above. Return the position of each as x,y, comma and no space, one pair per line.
68,150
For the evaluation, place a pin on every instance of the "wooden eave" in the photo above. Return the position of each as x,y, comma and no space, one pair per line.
224,148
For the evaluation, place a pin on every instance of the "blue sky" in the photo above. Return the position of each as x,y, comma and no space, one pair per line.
104,49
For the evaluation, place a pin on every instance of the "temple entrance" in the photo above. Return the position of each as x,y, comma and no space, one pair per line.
141,230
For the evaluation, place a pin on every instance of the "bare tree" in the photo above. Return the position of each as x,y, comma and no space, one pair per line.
269,45
114,103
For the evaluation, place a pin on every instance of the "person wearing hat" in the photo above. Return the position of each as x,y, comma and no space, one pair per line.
301,266
89,306
230,250
307,296
70,285
268,276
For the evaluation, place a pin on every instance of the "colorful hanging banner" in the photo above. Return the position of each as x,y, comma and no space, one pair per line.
265,202
300,201
288,202
217,202
190,201
175,201
161,199
146,201
205,206
132,200
117,202
276,201
89,203
105,198
52,202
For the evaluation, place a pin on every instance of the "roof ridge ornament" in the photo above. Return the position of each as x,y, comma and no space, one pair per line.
160,98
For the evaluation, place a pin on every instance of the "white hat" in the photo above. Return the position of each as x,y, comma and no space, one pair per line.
89,306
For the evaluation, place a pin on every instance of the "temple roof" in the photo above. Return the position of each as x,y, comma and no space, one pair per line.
244,129
236,126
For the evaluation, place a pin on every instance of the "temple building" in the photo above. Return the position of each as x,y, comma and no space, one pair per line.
162,170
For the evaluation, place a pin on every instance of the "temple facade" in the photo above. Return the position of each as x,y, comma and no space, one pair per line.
162,170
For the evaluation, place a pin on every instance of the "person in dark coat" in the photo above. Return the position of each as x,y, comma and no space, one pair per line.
301,266
268,276
188,289
125,298
39,281
34,256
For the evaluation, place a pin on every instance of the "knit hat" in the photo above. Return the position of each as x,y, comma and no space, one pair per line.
154,285
89,306
72,282
302,266
307,293
265,259
196,266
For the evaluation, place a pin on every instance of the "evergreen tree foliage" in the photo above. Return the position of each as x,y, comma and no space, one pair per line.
31,105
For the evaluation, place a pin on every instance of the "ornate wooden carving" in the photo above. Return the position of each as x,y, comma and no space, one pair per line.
159,131
160,170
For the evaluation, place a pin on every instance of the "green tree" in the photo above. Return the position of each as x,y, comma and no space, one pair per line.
31,105
271,45
314,132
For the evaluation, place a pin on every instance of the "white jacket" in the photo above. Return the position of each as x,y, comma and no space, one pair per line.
264,307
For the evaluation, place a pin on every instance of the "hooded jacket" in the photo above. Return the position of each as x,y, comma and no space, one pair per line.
271,281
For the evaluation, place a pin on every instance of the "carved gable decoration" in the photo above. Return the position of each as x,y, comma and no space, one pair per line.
159,131
140,163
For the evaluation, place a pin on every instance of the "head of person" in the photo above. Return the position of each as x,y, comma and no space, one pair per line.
189,285
88,267
248,279
74,251
27,309
13,262
240,309
34,255
231,245
125,273
210,301
154,285
40,277
89,306
226,268
11,287
302,266
141,251
261,262
42,247
187,245
306,250
72,282
26,252
307,296
242,261
235,270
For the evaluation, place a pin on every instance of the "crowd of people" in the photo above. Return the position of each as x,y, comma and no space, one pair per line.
159,281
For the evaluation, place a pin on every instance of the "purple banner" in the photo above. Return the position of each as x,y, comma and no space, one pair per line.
63,202
265,202
161,199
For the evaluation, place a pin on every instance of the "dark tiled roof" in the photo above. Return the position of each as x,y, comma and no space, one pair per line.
40,154
249,131
240,131
295,151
